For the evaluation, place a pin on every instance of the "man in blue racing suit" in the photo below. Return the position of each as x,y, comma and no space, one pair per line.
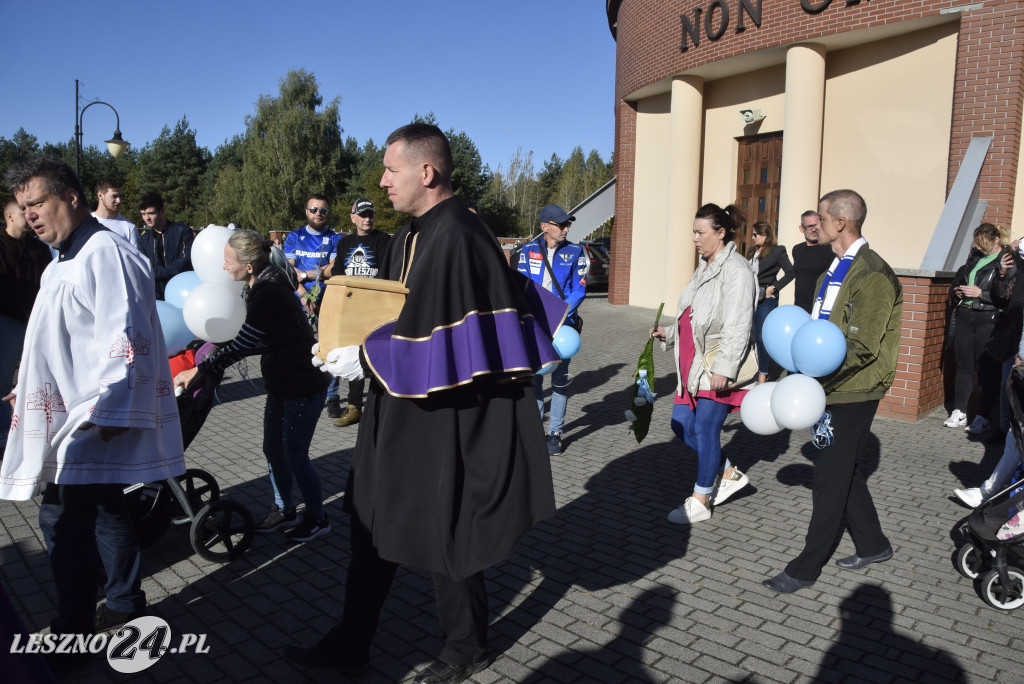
560,267
311,249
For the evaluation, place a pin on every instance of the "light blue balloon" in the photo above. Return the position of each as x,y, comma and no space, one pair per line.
176,333
547,369
179,286
819,348
779,329
566,342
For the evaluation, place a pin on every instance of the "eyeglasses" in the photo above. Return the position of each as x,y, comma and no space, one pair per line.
365,214
318,210
563,226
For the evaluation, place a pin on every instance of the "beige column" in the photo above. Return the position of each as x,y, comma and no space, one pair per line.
801,141
683,182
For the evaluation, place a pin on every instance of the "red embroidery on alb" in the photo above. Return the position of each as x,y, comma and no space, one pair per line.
128,346
48,400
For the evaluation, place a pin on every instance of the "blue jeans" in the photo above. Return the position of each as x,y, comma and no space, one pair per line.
559,395
702,432
288,426
764,360
77,521
12,339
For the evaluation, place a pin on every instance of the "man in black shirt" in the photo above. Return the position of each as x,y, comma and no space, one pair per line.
22,260
810,260
359,255
168,245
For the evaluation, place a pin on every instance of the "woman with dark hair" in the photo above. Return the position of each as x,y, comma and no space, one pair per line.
276,327
766,260
971,324
715,307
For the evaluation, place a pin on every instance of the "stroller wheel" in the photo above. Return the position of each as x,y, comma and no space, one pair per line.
1004,598
200,488
969,562
222,531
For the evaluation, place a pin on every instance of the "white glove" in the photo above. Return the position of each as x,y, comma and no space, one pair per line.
317,361
344,363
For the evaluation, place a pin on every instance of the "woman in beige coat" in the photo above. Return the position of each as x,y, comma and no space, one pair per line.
717,306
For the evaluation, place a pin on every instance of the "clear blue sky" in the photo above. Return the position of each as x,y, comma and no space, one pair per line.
536,74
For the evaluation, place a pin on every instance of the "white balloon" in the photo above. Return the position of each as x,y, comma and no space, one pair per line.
756,410
208,254
214,311
798,402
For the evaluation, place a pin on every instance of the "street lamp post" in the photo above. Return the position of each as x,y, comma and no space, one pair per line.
116,145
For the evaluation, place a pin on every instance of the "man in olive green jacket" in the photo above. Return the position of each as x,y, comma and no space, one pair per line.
861,294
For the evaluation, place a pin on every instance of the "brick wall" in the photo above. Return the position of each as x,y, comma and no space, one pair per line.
919,385
649,33
987,99
622,236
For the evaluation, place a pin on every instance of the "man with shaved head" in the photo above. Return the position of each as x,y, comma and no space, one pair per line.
450,467
862,296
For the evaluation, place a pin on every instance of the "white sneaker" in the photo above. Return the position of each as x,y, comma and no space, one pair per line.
979,425
972,497
726,488
690,512
956,419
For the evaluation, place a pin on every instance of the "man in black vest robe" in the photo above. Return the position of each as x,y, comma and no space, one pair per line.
450,467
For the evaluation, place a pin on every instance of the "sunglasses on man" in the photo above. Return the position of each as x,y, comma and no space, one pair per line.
318,210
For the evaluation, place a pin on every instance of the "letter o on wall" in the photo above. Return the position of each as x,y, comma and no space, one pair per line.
723,23
811,8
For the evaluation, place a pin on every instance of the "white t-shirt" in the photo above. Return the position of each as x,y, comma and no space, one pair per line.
122,227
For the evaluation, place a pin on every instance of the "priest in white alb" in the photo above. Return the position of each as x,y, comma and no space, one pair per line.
94,408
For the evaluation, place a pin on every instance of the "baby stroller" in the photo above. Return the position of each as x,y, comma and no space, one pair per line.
995,564
220,530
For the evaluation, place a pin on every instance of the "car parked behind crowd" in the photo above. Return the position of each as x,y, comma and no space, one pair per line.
600,261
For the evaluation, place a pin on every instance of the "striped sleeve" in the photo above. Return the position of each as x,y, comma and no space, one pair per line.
246,343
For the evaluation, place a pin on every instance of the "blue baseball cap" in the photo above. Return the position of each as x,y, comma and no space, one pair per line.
555,214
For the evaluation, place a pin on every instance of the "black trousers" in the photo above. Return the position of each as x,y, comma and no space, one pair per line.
839,490
355,392
461,607
972,333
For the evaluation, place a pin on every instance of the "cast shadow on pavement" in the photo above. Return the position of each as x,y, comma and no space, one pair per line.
610,537
867,625
622,658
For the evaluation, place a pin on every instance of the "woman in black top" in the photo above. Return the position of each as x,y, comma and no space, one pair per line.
276,327
972,323
767,259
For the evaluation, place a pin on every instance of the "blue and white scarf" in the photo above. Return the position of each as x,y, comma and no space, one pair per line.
829,289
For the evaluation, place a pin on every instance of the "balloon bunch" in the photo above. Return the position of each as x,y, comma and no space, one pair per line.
203,303
806,348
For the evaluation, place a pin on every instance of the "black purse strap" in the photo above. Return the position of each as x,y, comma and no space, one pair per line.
544,255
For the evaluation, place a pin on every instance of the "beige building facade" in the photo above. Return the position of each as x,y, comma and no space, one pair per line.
772,103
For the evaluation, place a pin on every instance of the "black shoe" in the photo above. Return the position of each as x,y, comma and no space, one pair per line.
784,584
440,672
555,447
856,562
309,528
315,659
276,519
108,619
334,407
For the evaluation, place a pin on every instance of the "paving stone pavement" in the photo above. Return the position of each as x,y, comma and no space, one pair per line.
607,590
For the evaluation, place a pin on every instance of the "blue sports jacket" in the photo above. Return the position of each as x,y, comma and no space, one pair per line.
570,266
